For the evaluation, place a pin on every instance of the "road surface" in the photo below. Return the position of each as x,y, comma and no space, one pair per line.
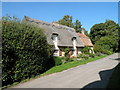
92,75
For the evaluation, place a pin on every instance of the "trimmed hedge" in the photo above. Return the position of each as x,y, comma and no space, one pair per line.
25,51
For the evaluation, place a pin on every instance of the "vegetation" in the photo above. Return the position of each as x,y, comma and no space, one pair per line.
66,50
105,37
114,81
67,21
85,49
70,65
77,26
22,44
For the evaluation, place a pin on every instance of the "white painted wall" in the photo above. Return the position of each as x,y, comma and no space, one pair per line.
92,50
55,41
74,47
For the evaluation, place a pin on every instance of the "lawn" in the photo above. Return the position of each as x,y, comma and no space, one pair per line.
71,64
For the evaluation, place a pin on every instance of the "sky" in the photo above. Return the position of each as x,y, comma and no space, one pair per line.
88,13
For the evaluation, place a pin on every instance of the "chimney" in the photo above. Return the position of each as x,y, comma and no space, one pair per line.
55,23
83,31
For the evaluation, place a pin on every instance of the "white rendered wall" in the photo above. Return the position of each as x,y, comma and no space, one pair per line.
74,47
56,46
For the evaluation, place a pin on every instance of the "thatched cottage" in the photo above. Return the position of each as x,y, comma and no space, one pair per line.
59,36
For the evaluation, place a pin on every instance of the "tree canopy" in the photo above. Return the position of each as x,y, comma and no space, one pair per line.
105,36
25,51
67,20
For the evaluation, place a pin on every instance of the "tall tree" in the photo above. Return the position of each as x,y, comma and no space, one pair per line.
77,26
105,35
97,31
66,20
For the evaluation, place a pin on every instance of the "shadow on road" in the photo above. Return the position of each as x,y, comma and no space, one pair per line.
104,76
118,59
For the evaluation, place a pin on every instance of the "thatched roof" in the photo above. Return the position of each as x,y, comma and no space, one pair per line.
85,39
65,34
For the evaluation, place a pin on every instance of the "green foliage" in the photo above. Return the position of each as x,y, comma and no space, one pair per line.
68,60
66,20
97,31
83,56
71,64
105,45
98,54
61,60
25,51
66,50
77,26
86,33
57,60
105,37
85,49
91,55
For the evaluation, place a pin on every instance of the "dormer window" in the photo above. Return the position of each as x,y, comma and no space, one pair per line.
74,38
54,36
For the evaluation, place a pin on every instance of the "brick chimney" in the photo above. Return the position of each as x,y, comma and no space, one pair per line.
83,31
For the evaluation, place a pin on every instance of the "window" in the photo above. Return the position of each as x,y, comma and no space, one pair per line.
54,36
74,38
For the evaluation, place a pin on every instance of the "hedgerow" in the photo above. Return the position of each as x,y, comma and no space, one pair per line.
25,51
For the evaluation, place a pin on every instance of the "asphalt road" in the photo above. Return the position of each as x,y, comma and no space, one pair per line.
95,74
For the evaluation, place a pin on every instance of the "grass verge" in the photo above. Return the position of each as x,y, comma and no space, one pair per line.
114,81
71,64
59,69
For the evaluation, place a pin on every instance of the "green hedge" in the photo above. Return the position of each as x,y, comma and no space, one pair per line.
61,60
25,51
57,60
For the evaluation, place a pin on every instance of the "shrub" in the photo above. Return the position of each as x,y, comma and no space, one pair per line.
98,53
106,45
107,52
25,51
68,60
85,49
83,56
91,55
66,50
57,60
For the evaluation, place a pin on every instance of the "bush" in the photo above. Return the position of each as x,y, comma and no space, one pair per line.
85,49
66,50
106,45
83,56
91,55
68,60
98,53
107,52
25,51
57,60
